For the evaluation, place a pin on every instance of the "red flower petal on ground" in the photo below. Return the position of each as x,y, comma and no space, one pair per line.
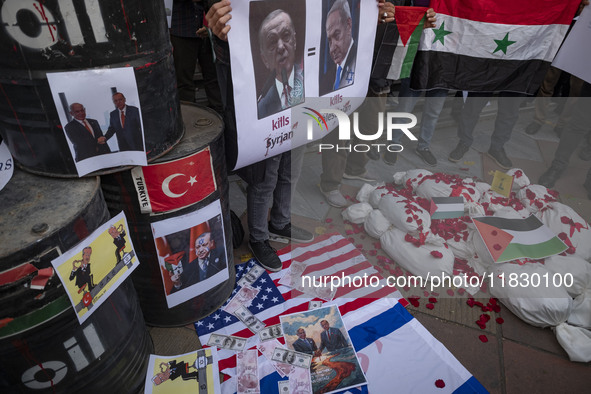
349,232
481,324
496,308
470,302
429,306
408,219
426,294
435,294
328,220
483,338
500,320
461,291
497,247
439,383
437,254
484,317
373,252
433,300
414,301
450,292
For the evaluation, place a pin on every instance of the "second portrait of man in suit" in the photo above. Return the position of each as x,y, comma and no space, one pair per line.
277,54
339,54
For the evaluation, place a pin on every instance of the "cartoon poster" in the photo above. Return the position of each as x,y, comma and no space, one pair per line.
192,253
94,268
101,117
194,372
286,53
322,333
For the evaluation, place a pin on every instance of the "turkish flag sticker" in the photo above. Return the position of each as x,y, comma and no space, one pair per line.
176,184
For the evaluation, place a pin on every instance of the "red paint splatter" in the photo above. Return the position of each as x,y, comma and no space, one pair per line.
41,10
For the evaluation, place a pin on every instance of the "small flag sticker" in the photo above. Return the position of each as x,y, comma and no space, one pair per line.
446,207
502,183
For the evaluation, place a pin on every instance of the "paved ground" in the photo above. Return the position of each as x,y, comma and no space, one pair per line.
517,357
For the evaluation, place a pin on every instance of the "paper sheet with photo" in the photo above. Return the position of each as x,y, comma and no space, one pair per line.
94,268
274,87
335,366
86,106
198,373
192,253
574,55
6,164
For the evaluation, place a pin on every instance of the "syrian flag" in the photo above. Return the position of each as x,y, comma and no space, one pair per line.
409,21
175,184
382,331
510,239
446,207
491,45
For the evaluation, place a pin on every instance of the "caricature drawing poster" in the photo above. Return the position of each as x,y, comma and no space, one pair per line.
335,366
194,372
94,268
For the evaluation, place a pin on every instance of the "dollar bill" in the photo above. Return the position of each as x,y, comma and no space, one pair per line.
271,332
251,276
249,320
300,381
292,357
244,297
283,386
247,372
267,348
227,342
314,305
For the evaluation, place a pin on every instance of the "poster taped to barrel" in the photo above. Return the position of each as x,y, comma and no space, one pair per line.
192,253
176,184
94,268
94,106
198,371
6,164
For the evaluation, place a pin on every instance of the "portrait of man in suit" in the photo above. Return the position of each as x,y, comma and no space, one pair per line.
85,134
340,68
303,344
125,123
331,338
209,261
284,86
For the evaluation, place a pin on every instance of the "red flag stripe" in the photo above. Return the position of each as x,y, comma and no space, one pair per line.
510,12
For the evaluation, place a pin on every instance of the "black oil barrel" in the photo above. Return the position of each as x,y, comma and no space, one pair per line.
58,36
43,348
203,129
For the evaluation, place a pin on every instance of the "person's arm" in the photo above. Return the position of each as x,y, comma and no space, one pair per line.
386,11
218,17
430,19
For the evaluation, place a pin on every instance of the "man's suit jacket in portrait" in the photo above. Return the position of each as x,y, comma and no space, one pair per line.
305,345
192,272
328,80
269,102
85,144
129,137
336,340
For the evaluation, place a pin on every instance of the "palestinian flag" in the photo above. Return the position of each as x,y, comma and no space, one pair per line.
510,239
446,207
409,21
491,45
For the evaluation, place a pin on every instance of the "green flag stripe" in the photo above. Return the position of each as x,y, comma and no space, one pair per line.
538,251
36,317
411,52
447,214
